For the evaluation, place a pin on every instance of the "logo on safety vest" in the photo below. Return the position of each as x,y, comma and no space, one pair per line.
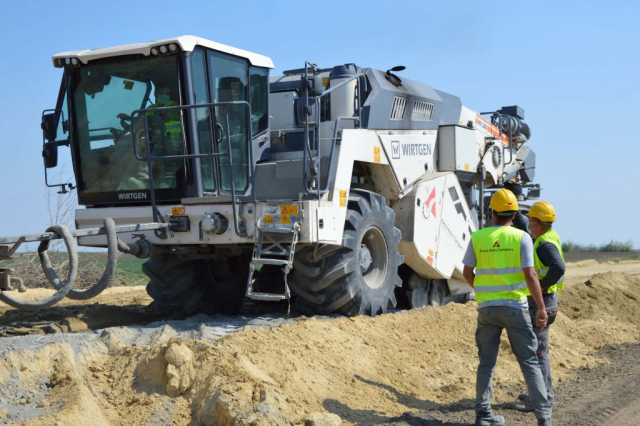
496,244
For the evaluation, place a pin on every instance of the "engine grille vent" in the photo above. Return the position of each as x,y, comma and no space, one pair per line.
398,108
422,111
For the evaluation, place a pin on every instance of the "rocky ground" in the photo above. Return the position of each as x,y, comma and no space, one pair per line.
87,363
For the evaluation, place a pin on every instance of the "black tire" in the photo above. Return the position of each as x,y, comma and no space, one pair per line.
179,287
437,293
333,281
229,285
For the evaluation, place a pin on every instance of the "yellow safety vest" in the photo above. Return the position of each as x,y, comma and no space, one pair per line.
551,236
173,128
499,273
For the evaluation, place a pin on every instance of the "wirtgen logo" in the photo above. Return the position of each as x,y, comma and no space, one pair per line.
395,149
133,196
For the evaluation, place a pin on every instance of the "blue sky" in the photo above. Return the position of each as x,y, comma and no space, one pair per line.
573,66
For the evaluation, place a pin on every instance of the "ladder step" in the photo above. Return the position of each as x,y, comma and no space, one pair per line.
269,297
270,261
266,230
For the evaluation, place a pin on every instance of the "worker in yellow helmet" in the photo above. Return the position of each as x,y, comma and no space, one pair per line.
504,269
550,267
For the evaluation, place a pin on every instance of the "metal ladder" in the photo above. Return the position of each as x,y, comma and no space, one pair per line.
273,246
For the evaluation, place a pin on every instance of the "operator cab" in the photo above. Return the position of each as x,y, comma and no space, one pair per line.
141,111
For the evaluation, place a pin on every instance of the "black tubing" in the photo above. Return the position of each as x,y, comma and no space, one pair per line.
107,275
63,288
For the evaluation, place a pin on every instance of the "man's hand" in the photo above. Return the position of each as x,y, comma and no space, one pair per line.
123,116
468,274
541,319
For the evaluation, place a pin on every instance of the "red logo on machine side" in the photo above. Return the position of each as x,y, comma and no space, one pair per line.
429,207
496,244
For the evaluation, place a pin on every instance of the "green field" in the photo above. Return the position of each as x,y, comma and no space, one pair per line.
90,269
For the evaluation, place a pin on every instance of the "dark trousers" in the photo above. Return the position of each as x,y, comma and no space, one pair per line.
543,348
491,321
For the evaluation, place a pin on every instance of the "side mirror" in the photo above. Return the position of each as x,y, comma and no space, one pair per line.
315,85
50,154
301,110
49,126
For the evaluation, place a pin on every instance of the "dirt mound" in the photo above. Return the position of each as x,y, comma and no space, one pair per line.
603,309
361,369
114,307
581,263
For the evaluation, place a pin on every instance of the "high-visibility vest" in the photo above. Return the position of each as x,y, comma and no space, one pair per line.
499,274
173,127
551,236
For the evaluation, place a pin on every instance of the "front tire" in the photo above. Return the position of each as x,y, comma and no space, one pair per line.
359,276
179,287
230,277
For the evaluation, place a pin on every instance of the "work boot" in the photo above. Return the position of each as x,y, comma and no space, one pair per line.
524,406
488,419
544,422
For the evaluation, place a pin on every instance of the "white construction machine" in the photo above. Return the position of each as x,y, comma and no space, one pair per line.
336,188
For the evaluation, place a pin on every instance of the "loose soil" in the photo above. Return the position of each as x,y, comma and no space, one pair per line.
408,367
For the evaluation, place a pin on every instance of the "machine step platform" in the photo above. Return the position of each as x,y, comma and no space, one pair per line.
273,246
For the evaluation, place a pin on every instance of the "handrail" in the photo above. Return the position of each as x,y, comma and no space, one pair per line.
317,138
150,159
333,145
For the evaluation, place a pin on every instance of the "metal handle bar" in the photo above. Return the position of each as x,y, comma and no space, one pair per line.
150,159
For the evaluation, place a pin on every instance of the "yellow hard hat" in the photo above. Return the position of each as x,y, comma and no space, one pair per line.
504,201
543,211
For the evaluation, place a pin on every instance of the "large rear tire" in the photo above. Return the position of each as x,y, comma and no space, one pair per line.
359,276
230,276
179,287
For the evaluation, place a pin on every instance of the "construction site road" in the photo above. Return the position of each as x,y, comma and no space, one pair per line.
113,361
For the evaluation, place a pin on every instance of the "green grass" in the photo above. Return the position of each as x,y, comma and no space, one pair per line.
610,247
90,269
618,260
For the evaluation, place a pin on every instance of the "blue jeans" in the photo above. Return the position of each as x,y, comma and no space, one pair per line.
491,321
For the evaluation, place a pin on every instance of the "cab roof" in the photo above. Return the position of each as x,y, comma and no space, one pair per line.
186,43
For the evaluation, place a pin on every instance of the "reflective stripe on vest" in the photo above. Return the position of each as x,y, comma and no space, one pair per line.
551,236
517,286
497,271
499,274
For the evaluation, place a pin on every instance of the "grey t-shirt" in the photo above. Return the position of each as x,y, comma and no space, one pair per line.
526,259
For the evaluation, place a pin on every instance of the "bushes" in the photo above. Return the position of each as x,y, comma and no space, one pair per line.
90,268
612,246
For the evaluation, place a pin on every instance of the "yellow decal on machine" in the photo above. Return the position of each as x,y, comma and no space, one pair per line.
376,154
178,211
286,214
343,197
289,210
278,219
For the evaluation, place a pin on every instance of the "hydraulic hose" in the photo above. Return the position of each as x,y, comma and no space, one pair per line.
63,288
107,275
